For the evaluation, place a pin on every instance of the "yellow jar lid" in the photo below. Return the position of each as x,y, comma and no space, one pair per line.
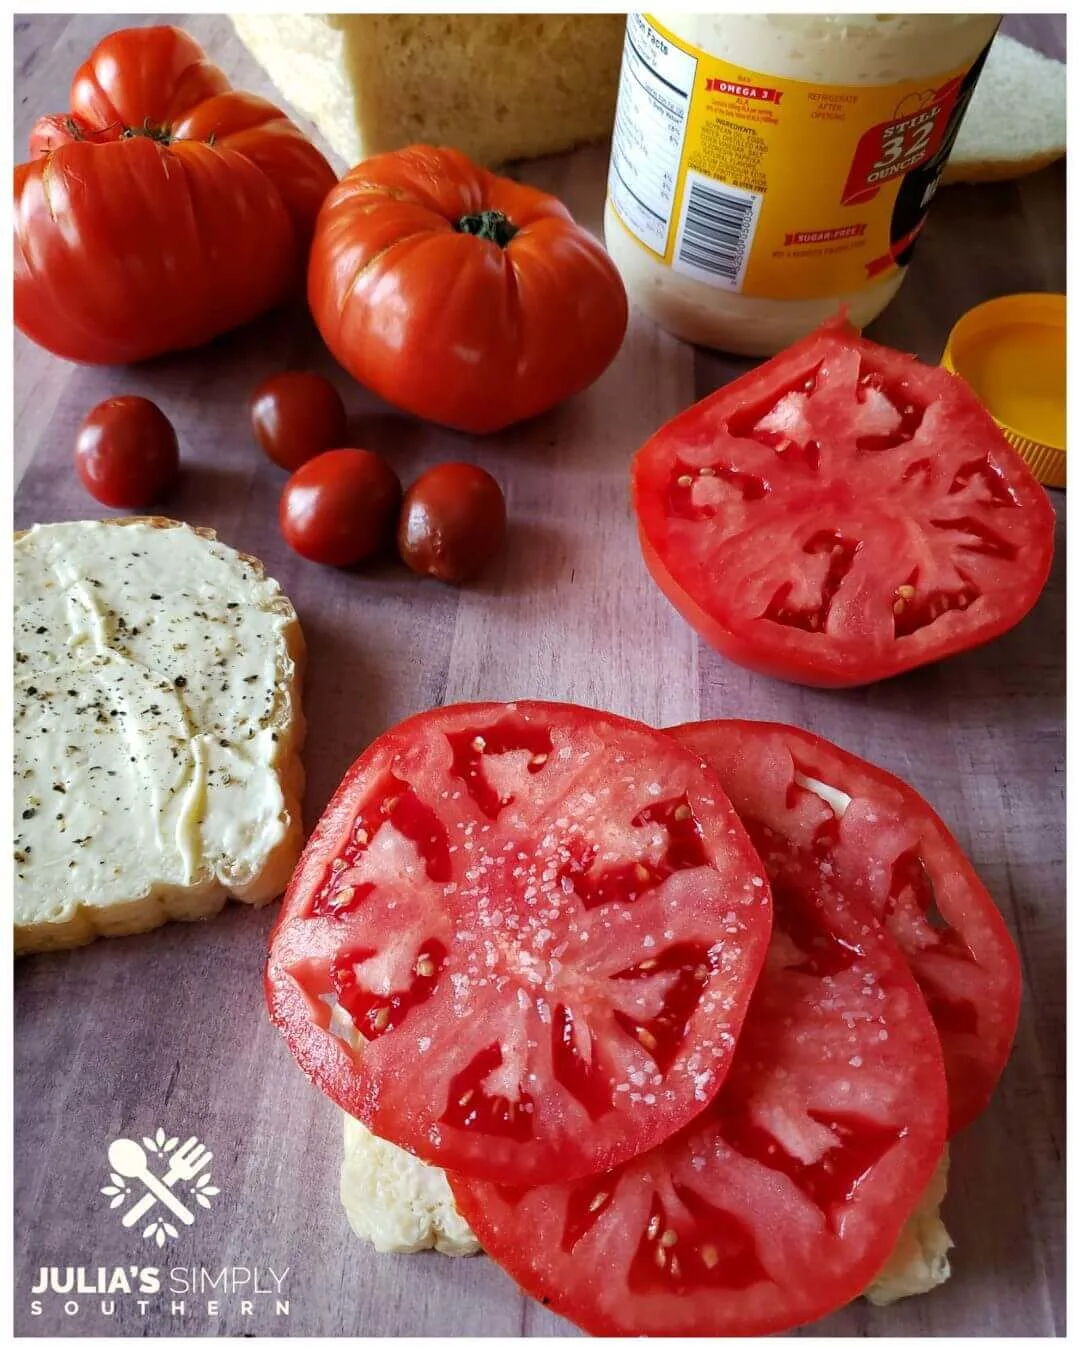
1011,351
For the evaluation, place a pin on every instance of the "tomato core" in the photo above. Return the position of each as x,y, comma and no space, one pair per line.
163,135
491,225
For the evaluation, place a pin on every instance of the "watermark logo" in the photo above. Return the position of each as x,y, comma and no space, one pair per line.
138,1181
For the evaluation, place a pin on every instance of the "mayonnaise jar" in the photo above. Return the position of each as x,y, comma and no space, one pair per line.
768,169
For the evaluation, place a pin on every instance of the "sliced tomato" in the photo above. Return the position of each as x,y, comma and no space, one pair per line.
810,805
783,1200
521,940
840,514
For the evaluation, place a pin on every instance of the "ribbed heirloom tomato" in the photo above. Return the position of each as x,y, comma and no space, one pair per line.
462,297
163,210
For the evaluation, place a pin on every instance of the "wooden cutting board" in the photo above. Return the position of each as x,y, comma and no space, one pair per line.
168,1030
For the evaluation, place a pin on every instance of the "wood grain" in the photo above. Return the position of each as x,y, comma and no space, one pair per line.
169,1029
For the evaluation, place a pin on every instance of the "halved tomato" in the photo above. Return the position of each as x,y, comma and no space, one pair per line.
812,808
521,940
840,514
783,1200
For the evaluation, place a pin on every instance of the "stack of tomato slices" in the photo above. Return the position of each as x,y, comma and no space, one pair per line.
687,1017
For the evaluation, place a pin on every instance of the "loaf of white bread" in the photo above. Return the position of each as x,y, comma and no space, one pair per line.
503,87
496,86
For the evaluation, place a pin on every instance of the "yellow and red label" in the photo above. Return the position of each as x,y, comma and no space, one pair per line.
775,187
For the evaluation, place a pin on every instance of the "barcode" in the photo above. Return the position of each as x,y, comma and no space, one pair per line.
716,231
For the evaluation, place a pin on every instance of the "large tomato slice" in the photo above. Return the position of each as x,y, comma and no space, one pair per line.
783,1200
810,805
163,210
840,514
521,940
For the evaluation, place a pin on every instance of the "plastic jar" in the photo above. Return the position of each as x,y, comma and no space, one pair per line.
768,169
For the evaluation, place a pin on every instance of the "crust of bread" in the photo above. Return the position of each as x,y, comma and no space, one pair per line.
997,171
81,924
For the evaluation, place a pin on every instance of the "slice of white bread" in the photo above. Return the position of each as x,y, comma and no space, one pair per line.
919,1262
395,1201
157,729
1015,122
399,1204
496,86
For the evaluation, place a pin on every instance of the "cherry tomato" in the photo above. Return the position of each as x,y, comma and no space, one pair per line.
295,416
340,507
452,522
126,452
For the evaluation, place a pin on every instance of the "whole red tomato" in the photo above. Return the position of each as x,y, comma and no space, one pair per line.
340,507
296,415
462,297
453,520
163,210
126,452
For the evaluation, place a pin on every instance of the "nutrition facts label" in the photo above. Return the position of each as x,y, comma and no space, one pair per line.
650,130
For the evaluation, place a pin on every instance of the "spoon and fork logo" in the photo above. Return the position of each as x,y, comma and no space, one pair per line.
186,1163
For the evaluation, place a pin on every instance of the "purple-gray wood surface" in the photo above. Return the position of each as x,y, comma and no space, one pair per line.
169,1029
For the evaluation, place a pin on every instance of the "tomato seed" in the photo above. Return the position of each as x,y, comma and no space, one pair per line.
685,481
598,1200
648,965
661,1257
425,967
681,813
675,1269
906,591
669,1238
710,1256
707,472
342,897
381,1019
641,872
899,606
478,743
654,1227
646,1038
538,760
466,1098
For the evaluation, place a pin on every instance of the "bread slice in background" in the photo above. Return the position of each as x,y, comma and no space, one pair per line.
496,86
1015,122
157,730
